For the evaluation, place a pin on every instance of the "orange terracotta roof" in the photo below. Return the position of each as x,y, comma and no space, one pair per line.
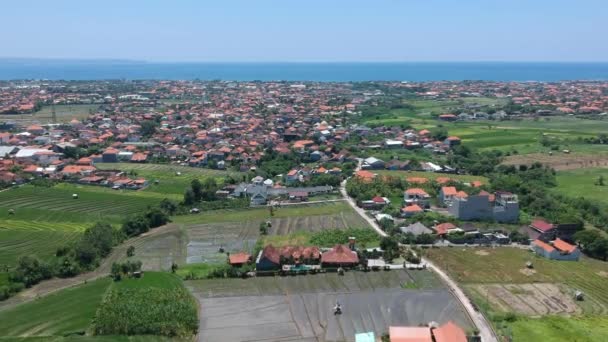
417,180
449,190
547,247
449,332
563,246
410,334
416,191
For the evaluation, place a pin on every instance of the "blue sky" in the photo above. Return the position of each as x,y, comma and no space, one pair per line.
307,30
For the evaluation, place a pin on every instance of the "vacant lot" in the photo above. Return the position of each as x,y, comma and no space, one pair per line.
507,266
301,308
64,113
582,183
430,175
528,299
172,179
65,312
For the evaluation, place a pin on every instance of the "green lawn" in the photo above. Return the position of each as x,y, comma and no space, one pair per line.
64,312
581,183
170,183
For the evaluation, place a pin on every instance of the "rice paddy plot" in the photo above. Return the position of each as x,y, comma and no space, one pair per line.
262,214
160,250
205,240
15,243
65,312
92,204
371,302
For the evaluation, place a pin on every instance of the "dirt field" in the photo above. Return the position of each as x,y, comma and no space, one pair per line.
528,299
301,308
560,161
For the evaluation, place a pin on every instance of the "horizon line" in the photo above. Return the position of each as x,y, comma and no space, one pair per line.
143,61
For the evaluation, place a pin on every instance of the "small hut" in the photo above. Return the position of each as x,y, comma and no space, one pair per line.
579,296
75,196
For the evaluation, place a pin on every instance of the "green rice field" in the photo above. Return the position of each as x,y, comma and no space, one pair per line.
65,312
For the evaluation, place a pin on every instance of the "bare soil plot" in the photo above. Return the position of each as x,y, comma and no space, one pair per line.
301,308
560,161
528,299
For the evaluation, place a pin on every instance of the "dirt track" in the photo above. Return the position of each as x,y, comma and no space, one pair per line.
56,284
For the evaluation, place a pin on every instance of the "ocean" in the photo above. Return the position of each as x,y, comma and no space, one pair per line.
322,72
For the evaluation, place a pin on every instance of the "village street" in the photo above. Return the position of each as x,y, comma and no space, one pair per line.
485,329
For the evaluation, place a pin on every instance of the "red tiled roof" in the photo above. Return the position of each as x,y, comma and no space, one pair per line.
541,225
340,254
444,227
239,258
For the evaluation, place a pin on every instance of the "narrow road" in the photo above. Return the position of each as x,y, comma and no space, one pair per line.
485,329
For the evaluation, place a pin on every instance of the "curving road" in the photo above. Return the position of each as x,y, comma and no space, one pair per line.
485,329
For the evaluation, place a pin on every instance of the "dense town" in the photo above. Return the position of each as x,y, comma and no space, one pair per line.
275,146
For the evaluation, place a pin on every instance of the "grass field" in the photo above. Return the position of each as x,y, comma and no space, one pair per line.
581,183
262,214
520,135
557,328
170,184
65,113
65,312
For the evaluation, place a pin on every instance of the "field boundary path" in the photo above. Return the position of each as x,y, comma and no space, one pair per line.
486,332
53,285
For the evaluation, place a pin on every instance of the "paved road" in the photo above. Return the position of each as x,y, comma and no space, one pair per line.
485,329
